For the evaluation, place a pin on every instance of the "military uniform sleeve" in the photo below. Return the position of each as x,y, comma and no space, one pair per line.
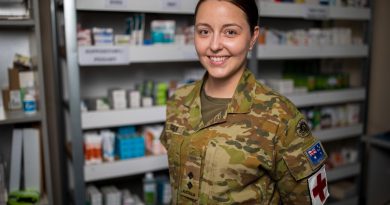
293,165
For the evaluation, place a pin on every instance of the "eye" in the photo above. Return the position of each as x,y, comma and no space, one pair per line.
230,33
203,32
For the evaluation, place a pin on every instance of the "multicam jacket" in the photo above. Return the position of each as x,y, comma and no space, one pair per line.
252,154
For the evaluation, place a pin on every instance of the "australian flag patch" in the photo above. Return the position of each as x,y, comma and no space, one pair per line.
315,154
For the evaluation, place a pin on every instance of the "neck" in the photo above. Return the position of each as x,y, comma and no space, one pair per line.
222,88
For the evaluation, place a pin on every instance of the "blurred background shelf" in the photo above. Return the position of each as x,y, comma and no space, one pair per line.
114,118
16,117
267,9
339,133
349,201
291,10
328,97
147,115
343,172
270,52
125,167
17,23
149,6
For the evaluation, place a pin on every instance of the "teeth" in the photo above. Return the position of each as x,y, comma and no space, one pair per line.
217,59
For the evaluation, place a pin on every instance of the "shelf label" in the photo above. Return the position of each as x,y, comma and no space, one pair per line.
171,4
110,55
115,4
317,12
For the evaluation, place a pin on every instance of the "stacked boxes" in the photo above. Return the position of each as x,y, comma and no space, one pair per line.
129,144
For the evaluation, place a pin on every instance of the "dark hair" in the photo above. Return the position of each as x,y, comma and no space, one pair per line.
249,7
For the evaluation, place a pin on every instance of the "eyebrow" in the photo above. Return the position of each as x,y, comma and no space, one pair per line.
224,26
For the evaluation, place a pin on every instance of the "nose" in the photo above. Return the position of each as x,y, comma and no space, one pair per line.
216,44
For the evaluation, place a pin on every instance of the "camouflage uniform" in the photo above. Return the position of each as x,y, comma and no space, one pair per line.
252,154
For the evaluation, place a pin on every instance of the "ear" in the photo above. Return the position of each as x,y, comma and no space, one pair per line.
254,37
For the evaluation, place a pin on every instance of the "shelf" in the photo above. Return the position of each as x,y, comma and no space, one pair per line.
385,144
277,52
124,55
149,6
339,133
343,172
291,10
267,9
20,117
136,54
125,167
328,97
153,163
17,23
349,201
114,118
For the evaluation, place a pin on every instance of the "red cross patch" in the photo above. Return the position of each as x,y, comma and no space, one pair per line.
318,187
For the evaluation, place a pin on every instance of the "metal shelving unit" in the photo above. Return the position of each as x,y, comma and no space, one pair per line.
170,53
31,29
309,52
328,97
349,201
343,172
18,117
17,23
121,168
269,9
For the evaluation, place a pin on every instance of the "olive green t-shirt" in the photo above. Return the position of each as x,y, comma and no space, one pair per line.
211,107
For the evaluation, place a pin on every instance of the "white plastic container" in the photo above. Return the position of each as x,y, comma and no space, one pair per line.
29,104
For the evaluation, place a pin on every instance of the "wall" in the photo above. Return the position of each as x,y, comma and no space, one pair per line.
379,94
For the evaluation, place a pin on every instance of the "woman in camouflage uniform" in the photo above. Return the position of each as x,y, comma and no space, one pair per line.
230,139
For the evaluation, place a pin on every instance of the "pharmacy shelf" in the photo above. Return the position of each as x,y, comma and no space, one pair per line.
16,117
291,10
149,6
114,118
339,133
349,201
17,23
125,167
328,97
343,172
277,52
113,55
374,141
153,163
267,9
136,54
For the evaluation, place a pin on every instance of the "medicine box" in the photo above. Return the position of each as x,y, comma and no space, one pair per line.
130,146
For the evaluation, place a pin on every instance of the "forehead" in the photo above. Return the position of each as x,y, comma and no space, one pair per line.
217,10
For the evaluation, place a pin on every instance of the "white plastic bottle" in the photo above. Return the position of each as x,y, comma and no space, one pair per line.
29,104
150,189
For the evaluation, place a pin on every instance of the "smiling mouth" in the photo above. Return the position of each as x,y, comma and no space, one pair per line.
218,60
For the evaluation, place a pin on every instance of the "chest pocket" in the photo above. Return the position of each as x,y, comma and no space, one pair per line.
234,170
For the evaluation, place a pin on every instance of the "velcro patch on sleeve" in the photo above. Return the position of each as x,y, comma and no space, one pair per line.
316,155
318,187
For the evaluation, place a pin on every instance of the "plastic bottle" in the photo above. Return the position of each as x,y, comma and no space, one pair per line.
150,189
29,104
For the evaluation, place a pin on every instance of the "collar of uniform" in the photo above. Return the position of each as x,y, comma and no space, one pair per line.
243,95
240,103
192,102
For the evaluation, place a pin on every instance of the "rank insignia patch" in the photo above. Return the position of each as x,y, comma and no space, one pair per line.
303,129
315,154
